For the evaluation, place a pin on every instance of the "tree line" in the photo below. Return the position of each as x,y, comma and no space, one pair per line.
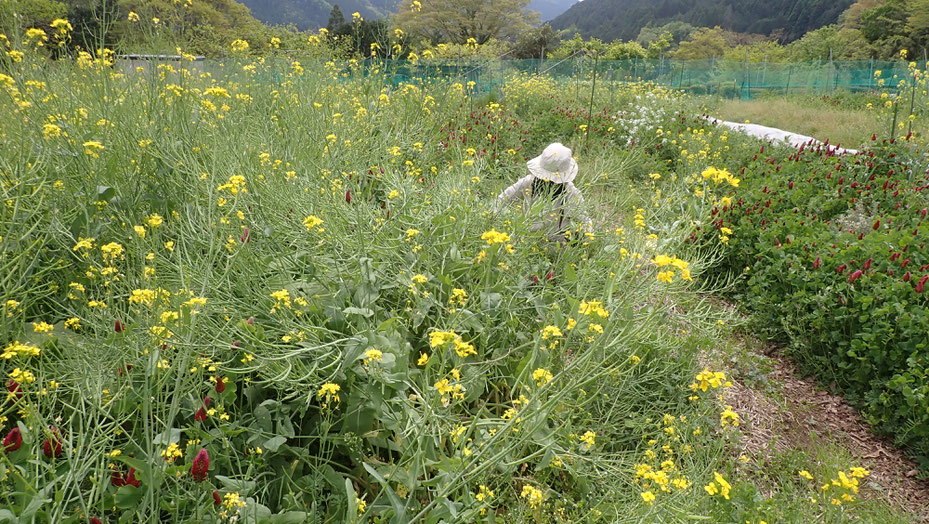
489,28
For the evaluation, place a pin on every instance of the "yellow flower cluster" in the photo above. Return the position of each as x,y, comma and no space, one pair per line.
372,355
235,185
707,379
329,393
551,331
533,496
639,218
843,487
458,295
720,175
450,389
495,237
312,222
110,251
233,501
93,148
22,376
440,338
172,452
542,376
719,487
593,307
281,300
588,439
142,296
728,416
14,349
663,261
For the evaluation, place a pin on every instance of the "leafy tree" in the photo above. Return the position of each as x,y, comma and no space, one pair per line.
460,20
844,44
202,26
678,30
851,18
578,45
885,21
619,50
532,43
704,43
356,37
917,24
658,47
757,52
17,15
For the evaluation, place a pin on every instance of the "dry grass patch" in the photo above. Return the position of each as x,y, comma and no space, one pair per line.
840,126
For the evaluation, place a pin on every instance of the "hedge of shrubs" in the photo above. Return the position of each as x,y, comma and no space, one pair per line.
832,256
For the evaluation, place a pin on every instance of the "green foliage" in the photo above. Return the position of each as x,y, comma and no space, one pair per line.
825,42
917,24
883,21
213,312
336,19
203,27
758,52
310,15
534,42
628,50
703,43
19,15
679,31
832,253
457,22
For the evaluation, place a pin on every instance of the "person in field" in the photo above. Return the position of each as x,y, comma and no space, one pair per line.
550,184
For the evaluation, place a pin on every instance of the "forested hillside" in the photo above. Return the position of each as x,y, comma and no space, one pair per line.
786,19
313,14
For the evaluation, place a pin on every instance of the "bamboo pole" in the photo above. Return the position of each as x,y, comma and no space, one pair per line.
590,106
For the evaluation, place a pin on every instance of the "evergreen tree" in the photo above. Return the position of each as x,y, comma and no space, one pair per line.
336,20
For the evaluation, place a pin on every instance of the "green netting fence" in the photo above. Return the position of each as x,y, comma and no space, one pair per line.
724,78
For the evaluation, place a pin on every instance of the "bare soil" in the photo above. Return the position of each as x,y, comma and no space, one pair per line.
798,415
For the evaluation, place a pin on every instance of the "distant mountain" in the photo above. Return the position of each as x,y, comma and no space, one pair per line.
549,9
313,14
786,19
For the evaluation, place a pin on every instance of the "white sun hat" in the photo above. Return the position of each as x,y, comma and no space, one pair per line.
555,164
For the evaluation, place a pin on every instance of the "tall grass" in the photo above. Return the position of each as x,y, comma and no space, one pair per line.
256,263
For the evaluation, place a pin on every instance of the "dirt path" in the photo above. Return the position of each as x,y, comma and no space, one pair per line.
798,415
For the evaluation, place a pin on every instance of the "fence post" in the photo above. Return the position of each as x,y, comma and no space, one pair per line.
590,106
764,72
744,74
790,70
612,87
635,76
577,78
871,75
912,107
893,125
680,82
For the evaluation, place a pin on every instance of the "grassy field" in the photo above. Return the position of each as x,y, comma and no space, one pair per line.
277,292
847,122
